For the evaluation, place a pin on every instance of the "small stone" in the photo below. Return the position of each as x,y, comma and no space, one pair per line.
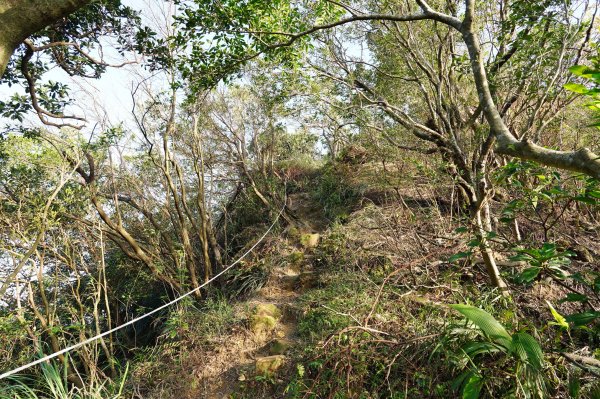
310,240
278,346
583,254
269,365
242,377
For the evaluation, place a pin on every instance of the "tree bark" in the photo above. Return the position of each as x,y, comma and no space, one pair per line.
582,160
21,18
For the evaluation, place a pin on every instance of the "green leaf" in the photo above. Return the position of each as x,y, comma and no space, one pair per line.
576,88
586,200
459,255
560,320
492,235
574,386
487,323
472,388
472,349
528,350
583,71
528,275
474,243
573,297
581,319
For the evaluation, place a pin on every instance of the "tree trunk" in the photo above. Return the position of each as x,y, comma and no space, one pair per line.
582,160
21,18
487,253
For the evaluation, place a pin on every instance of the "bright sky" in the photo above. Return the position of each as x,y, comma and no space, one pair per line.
108,100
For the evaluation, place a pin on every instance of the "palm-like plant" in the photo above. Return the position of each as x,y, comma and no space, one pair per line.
520,350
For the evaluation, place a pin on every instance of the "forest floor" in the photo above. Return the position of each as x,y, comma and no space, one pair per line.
353,301
261,348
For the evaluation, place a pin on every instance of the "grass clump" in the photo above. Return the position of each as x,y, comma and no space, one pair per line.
334,193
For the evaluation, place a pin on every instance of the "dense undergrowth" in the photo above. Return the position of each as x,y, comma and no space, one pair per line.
378,320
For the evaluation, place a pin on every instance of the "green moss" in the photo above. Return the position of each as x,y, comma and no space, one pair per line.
296,257
309,240
278,347
267,309
262,324
267,366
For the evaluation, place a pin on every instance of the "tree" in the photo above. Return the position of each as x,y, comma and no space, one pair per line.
70,36
244,31
20,19
443,112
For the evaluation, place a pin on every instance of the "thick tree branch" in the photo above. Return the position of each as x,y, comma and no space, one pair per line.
21,18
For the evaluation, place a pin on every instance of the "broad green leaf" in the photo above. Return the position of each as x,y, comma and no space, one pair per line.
581,319
487,323
586,200
460,380
576,88
573,297
476,348
529,274
574,386
460,255
560,320
472,388
580,70
528,350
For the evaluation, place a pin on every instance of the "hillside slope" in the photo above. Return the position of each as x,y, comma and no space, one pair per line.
352,302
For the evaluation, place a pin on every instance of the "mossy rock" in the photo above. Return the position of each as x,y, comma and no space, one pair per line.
264,318
293,233
267,309
310,240
269,365
262,324
278,346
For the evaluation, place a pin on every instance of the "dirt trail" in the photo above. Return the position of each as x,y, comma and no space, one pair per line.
263,346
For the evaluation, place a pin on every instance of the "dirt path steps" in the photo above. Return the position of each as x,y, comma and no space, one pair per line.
260,349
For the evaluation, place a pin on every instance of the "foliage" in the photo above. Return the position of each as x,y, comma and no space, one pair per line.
546,260
55,385
520,352
244,282
591,76
335,194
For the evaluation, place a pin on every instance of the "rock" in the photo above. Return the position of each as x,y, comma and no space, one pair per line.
267,309
310,240
278,346
583,254
264,319
262,324
269,365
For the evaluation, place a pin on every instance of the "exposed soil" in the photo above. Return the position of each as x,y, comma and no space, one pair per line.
222,370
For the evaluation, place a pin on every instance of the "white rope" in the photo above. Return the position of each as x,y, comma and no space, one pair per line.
92,339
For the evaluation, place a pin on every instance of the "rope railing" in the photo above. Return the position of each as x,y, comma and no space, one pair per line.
135,320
